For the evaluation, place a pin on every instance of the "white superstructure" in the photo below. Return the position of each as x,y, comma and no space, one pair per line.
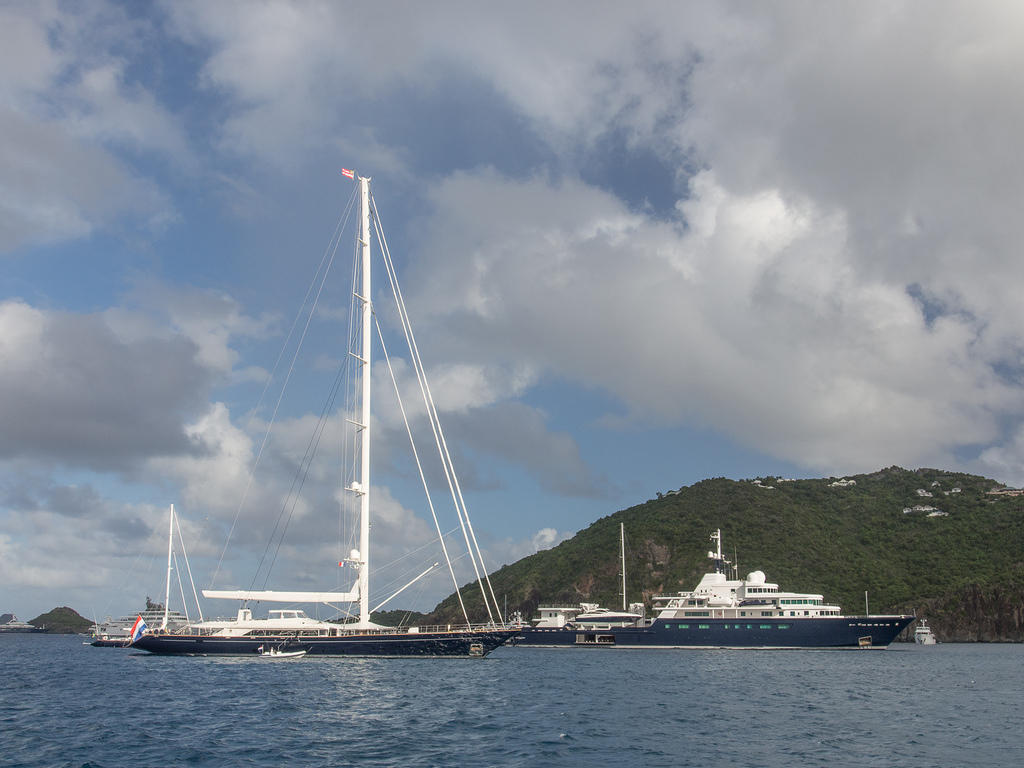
718,596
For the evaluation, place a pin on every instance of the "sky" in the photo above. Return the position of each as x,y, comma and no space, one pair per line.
641,245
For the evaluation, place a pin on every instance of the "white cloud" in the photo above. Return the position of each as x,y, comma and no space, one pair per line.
55,187
114,388
507,551
678,321
214,476
71,546
282,62
113,111
455,387
1005,460
211,320
546,538
29,61
72,392
67,110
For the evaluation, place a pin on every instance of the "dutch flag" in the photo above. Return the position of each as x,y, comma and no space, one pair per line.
138,630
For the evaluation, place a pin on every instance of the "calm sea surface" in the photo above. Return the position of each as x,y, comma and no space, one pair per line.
63,703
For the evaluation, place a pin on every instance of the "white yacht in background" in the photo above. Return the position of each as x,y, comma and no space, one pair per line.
114,633
592,615
11,623
923,634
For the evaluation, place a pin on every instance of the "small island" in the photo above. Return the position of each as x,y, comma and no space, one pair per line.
59,621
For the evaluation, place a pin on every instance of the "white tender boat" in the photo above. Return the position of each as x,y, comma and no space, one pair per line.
278,653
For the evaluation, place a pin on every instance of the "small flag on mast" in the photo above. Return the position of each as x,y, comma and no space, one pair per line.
347,173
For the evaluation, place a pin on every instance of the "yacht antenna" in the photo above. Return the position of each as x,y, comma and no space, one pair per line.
721,564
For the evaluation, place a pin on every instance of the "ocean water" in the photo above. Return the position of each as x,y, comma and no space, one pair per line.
63,703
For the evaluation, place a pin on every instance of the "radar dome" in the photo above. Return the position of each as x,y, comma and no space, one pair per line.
755,577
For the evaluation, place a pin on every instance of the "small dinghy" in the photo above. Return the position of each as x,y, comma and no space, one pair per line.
277,653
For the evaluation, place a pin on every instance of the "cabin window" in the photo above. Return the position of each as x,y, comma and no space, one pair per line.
684,626
703,626
782,626
766,626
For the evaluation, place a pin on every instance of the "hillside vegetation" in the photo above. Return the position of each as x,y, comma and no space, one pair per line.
960,564
62,621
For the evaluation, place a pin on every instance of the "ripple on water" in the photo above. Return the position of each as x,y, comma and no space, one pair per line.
65,704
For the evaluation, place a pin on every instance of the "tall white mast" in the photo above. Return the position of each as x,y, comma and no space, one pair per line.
170,542
364,452
361,487
622,546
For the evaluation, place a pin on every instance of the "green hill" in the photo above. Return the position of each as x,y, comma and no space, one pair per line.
62,621
959,564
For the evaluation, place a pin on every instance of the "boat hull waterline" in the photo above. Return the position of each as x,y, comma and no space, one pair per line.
397,645
831,632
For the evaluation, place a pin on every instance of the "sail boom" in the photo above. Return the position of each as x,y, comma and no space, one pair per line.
275,596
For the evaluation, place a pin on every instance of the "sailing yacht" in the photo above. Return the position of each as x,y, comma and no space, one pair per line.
290,630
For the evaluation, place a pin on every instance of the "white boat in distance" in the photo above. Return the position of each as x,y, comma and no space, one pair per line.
11,623
291,627
923,634
591,615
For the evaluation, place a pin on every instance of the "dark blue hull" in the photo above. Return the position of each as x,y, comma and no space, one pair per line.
825,632
399,644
